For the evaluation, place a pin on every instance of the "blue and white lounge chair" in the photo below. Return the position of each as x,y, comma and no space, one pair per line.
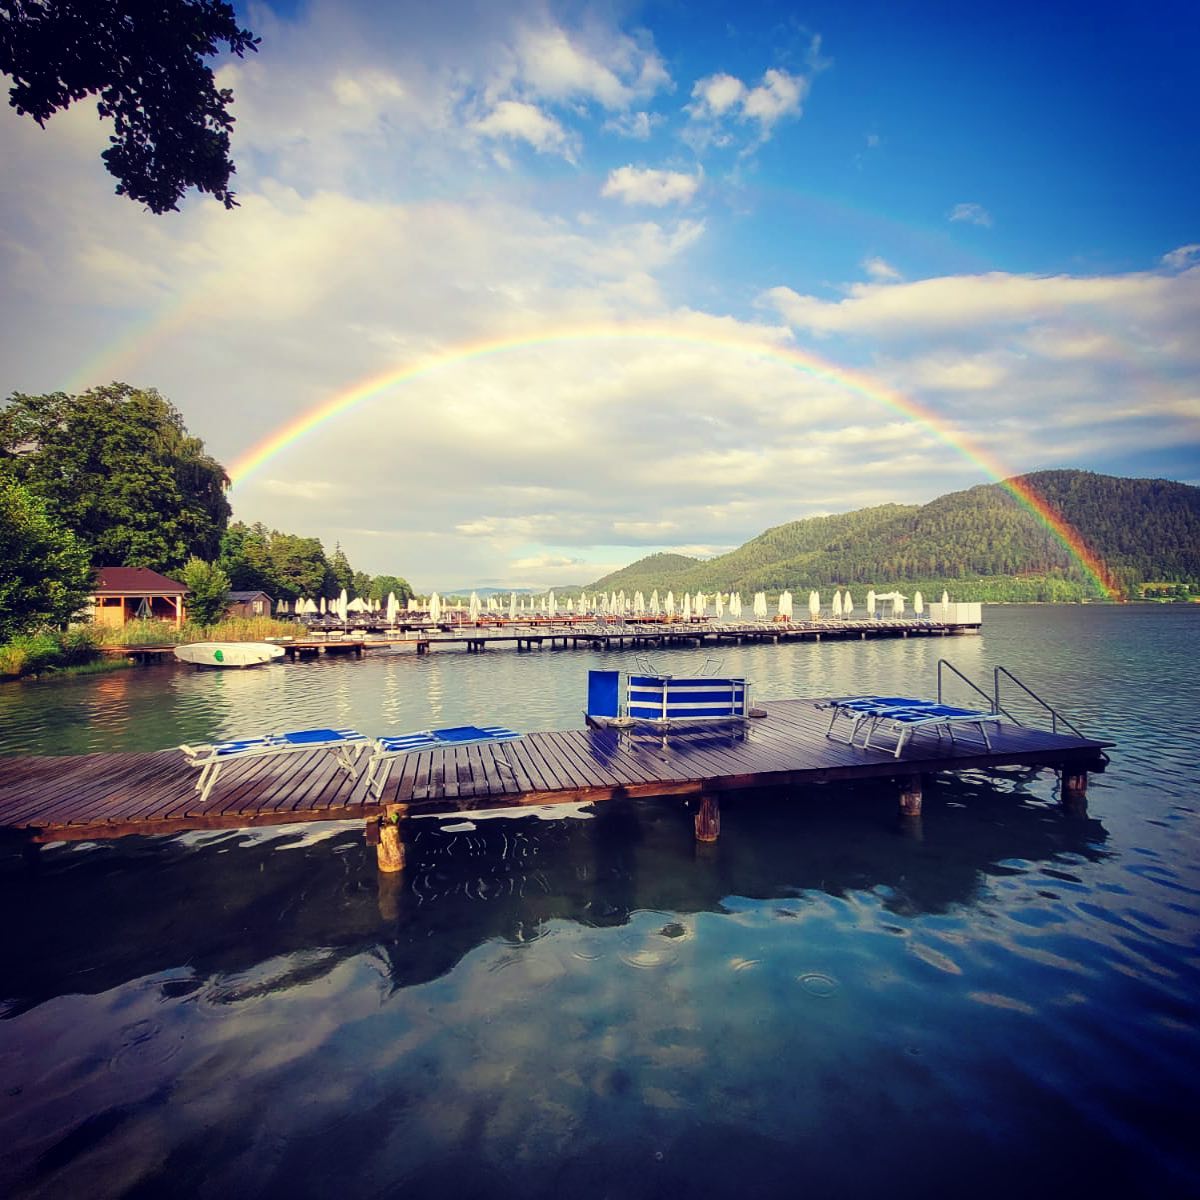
385,749
346,745
905,717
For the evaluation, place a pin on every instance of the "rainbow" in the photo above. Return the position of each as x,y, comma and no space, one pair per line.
845,378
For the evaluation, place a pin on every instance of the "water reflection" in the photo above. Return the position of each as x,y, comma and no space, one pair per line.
308,897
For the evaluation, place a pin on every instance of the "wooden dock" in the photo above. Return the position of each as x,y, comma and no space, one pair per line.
561,635
94,796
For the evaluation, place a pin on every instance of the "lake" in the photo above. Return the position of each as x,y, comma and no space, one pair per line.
999,998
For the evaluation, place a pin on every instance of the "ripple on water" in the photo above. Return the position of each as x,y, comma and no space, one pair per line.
818,984
144,1044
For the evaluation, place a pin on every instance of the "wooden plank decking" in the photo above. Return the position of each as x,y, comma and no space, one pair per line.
110,795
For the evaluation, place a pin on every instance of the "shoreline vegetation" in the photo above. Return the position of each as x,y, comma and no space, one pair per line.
79,651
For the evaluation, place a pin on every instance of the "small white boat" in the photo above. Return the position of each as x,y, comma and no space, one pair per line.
228,654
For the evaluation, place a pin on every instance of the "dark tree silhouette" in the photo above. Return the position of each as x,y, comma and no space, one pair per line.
144,59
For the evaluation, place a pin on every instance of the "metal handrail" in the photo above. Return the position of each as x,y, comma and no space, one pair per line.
1055,715
993,701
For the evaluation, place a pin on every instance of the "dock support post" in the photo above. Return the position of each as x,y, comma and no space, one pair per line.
708,818
389,852
910,796
1072,791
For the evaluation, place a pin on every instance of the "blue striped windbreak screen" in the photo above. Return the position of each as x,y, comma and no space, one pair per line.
663,698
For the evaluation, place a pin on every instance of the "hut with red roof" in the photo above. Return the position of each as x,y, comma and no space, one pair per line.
135,593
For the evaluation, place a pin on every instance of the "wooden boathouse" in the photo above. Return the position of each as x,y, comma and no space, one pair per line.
97,796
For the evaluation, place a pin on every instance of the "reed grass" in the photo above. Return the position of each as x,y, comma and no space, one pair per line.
232,629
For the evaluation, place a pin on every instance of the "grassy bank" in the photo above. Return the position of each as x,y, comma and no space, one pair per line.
77,651
41,653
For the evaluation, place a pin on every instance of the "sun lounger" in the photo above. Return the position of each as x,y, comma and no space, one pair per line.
385,749
905,717
346,745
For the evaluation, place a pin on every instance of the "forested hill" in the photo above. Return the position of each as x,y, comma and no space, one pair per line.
1142,529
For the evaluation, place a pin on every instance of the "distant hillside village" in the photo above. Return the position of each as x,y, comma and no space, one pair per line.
109,508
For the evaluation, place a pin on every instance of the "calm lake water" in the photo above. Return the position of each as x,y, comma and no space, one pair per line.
999,1000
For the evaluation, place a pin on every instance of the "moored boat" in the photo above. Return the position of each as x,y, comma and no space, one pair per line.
228,654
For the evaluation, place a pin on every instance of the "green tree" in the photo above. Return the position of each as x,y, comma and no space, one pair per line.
246,557
44,572
381,585
145,61
362,584
118,468
298,565
208,586
341,573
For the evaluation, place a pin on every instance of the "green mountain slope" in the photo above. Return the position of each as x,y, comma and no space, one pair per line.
1141,529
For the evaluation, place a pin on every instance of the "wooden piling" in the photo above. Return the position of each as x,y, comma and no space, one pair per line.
1072,790
910,796
708,818
389,853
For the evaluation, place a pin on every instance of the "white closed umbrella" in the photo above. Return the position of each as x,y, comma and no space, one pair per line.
654,605
785,605
720,601
322,606
551,604
687,607
473,610
735,604
435,608
814,604
945,598
918,604
342,605
837,604
847,605
871,603
669,604
393,608
760,605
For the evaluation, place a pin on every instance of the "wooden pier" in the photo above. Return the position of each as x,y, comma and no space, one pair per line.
95,796
562,635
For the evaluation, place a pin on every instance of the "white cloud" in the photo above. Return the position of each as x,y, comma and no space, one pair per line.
720,98
644,185
638,125
1182,258
975,302
779,95
545,562
715,95
614,71
527,123
880,270
973,214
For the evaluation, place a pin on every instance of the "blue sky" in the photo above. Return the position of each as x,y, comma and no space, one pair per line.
988,209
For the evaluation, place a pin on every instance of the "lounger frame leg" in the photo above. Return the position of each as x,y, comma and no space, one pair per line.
208,777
